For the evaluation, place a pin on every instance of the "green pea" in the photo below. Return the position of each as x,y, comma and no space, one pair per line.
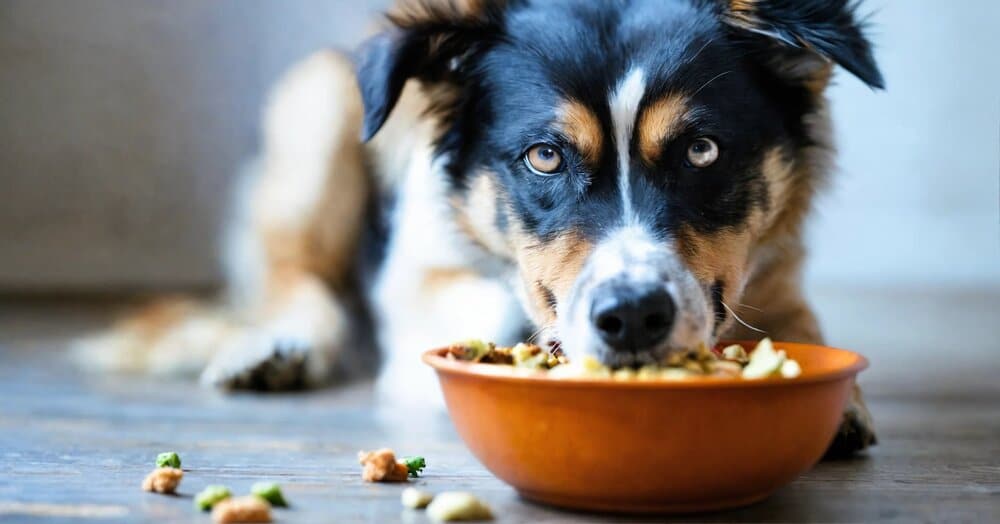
168,459
414,465
211,496
270,492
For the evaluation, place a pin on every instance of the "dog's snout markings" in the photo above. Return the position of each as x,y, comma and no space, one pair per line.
634,302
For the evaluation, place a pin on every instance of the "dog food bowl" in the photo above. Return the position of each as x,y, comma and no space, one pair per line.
649,447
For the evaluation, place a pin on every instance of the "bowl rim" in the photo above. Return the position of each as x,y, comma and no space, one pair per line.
493,372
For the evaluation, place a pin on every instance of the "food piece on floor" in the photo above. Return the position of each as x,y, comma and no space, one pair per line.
168,459
271,492
382,466
456,505
414,465
249,508
163,480
211,496
415,498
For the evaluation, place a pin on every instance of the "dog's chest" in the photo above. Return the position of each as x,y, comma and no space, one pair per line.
412,230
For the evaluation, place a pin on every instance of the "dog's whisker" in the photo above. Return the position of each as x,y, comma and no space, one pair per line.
695,56
748,306
740,320
713,79
534,336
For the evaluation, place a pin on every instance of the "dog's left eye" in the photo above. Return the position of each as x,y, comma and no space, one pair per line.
702,152
544,159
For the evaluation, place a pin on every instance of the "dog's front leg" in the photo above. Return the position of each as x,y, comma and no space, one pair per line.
776,307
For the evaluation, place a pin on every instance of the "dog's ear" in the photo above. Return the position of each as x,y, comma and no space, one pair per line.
803,35
430,40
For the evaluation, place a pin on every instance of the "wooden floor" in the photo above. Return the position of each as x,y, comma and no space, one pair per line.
74,446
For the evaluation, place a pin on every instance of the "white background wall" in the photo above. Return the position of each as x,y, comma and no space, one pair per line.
122,122
916,198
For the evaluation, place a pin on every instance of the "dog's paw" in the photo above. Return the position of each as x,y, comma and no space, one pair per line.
856,433
266,363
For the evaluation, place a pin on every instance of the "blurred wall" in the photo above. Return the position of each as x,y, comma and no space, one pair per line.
916,197
122,123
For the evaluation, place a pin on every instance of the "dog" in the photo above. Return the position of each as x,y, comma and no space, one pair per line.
619,178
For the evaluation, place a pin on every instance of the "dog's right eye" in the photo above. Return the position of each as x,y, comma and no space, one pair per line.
703,152
544,159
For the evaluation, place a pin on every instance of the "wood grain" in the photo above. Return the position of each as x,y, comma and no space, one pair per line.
74,446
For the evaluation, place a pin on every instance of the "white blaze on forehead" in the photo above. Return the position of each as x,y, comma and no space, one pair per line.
624,111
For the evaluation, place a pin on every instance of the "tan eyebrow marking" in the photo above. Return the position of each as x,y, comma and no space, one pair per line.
582,127
661,120
743,13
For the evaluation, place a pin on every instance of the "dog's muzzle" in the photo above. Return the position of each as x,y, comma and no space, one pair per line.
633,303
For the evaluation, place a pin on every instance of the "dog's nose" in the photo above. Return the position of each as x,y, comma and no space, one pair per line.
632,317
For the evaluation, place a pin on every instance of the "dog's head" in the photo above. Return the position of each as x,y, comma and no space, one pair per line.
628,156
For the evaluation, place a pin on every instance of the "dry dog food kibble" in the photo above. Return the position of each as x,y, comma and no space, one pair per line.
270,492
250,508
731,361
456,505
163,480
765,362
168,458
525,356
415,498
211,496
382,466
736,353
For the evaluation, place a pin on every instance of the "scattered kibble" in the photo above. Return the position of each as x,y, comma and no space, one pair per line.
163,480
250,508
382,466
210,496
415,498
456,505
414,465
168,459
270,492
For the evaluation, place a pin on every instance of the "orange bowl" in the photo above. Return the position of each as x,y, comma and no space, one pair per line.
649,447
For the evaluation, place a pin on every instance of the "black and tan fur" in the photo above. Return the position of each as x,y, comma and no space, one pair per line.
410,151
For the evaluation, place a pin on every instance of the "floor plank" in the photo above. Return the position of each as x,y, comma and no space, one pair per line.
77,446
